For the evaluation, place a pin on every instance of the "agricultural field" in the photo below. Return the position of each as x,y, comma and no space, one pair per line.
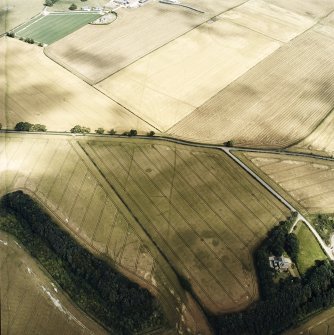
40,91
16,12
321,139
96,52
308,180
204,212
49,28
309,248
313,8
321,324
270,20
58,174
163,89
276,103
31,303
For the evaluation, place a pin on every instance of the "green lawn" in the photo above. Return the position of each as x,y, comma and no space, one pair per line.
53,27
309,248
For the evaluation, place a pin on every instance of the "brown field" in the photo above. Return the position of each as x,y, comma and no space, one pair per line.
321,324
40,91
309,181
56,172
313,8
321,139
169,83
276,103
204,212
270,20
31,303
16,12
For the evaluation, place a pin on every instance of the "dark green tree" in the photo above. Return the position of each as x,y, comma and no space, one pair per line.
23,126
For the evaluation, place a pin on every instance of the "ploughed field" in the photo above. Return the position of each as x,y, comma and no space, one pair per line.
203,212
309,181
31,303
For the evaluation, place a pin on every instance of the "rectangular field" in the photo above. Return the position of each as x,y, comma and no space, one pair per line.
270,20
276,103
203,211
169,83
49,28
40,91
309,181
96,52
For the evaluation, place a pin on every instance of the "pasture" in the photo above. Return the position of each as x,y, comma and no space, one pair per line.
49,28
59,175
31,303
204,213
40,91
309,248
169,83
309,181
270,20
96,52
276,103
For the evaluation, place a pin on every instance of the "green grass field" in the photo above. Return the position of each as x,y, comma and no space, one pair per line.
50,28
309,249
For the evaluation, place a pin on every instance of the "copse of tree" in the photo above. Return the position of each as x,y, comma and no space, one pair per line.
133,132
99,131
29,40
151,133
292,246
120,305
10,34
112,132
27,126
0,126
73,6
229,143
80,130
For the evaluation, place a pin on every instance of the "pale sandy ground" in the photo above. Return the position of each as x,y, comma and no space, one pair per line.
31,303
38,90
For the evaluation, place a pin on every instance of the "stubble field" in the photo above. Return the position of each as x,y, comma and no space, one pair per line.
68,186
169,83
39,91
31,303
276,103
204,213
309,181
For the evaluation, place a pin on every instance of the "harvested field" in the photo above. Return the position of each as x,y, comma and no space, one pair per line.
57,174
313,8
270,20
16,12
204,212
309,181
49,28
276,103
321,139
322,323
329,20
162,88
96,52
31,303
40,91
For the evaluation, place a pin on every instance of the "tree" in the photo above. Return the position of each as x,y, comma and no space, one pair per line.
10,34
151,133
29,40
23,126
38,127
229,143
112,132
48,3
80,130
99,131
73,7
133,132
292,246
0,126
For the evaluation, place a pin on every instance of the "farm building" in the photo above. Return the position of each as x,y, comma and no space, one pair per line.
280,263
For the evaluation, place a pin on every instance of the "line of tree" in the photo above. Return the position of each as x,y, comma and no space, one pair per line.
287,302
27,126
94,285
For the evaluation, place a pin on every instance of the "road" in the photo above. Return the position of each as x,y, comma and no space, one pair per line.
229,152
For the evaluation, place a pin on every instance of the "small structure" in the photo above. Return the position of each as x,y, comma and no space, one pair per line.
280,263
85,8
